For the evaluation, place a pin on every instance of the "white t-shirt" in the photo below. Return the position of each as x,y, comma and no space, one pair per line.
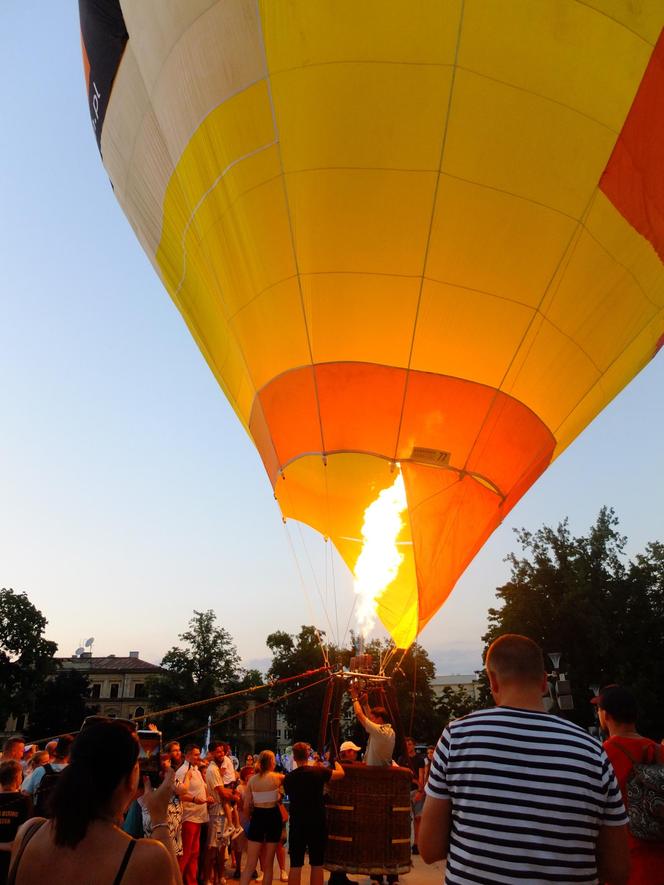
213,779
380,745
229,774
195,813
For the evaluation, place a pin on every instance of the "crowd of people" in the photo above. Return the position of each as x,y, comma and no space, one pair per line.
513,794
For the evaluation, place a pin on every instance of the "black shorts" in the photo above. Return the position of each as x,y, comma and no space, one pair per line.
303,835
265,825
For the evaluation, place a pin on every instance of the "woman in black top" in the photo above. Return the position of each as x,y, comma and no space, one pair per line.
83,842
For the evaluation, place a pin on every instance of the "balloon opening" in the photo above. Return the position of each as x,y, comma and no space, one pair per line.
379,560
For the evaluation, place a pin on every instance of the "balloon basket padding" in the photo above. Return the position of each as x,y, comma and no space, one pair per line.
368,821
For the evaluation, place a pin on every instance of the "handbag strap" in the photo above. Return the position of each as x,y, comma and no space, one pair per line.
29,833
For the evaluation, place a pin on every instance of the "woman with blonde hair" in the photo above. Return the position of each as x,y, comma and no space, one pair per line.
261,804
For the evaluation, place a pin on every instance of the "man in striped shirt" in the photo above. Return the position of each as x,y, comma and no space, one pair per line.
518,795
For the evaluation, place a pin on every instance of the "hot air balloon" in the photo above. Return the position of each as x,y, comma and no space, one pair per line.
415,241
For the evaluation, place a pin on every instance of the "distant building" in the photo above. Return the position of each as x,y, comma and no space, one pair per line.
468,682
284,737
117,684
256,729
118,689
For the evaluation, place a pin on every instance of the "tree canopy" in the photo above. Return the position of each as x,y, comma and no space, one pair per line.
207,664
293,655
583,597
412,674
60,704
26,657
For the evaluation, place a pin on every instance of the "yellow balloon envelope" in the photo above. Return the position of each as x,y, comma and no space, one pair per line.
426,232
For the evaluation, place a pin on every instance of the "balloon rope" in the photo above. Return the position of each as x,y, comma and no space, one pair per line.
307,597
334,593
211,700
350,616
303,583
313,575
282,697
412,706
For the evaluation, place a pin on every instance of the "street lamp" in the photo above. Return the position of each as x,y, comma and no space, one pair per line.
561,693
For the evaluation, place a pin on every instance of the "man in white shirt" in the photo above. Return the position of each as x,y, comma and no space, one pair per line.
376,723
215,853
194,813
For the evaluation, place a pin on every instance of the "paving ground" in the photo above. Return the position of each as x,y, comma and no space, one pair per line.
421,874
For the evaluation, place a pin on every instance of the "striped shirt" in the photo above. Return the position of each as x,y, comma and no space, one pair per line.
529,792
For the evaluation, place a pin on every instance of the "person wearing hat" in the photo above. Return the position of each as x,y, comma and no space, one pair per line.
617,711
348,753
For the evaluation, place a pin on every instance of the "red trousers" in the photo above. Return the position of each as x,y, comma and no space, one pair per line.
188,860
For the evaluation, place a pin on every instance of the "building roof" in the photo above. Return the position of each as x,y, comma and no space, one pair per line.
454,679
110,663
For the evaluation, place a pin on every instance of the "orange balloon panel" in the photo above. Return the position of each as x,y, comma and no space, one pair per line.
425,232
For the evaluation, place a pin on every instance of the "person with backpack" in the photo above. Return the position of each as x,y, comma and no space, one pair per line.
639,766
42,782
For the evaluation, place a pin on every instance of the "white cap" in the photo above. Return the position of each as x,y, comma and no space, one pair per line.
349,745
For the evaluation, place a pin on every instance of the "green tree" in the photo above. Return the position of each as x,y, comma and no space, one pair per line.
293,655
452,703
412,673
206,665
60,704
582,597
26,658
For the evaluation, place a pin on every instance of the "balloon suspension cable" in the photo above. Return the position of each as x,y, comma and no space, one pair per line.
412,706
315,580
387,659
215,699
303,583
241,713
324,651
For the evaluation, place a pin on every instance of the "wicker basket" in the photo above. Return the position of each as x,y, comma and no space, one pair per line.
368,821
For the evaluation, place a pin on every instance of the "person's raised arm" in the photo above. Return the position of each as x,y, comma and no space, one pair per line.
156,802
613,855
357,708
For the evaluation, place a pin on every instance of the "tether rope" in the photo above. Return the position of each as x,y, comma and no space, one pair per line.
252,709
211,700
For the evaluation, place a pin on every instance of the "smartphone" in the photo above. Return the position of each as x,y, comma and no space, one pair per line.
149,756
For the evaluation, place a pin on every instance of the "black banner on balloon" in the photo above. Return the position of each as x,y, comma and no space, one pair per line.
103,38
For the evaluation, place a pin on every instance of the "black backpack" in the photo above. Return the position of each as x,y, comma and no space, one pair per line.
645,794
44,791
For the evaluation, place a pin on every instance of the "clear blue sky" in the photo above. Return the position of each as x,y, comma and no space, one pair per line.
130,495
